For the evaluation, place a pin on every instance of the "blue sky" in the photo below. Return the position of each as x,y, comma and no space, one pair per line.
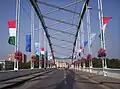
110,8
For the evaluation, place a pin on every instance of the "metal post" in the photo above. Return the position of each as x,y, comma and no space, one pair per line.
89,33
32,36
102,35
44,51
39,43
17,32
82,41
79,49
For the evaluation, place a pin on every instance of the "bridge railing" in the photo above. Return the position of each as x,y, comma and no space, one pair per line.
109,71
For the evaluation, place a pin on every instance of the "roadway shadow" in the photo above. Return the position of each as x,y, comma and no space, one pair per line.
85,82
110,82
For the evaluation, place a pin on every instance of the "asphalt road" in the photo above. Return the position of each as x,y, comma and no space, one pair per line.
60,79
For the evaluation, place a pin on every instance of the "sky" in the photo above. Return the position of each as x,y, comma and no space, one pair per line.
110,8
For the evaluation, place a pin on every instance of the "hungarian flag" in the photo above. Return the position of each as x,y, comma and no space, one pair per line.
12,31
42,53
105,21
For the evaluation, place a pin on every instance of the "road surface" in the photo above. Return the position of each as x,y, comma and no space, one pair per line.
61,79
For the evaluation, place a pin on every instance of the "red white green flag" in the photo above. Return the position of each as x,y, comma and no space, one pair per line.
12,31
42,51
105,21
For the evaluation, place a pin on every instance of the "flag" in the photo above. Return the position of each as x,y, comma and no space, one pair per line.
85,43
81,48
51,57
12,31
105,21
92,37
28,43
48,56
37,48
42,51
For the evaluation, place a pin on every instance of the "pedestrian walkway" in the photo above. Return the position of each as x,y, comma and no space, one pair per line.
112,83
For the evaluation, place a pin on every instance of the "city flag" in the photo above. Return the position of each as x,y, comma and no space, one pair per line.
92,37
28,43
105,21
37,48
12,31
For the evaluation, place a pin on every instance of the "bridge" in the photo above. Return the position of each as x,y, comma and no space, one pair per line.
60,48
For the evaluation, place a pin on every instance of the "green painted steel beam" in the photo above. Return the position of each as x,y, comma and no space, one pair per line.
79,24
38,12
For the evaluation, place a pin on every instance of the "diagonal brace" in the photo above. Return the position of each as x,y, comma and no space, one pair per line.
60,8
61,21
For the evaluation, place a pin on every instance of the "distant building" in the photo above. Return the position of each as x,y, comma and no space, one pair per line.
60,63
6,65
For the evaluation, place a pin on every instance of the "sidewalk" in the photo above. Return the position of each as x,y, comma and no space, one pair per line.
112,83
17,81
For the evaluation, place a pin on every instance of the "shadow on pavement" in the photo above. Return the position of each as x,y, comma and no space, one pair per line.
85,82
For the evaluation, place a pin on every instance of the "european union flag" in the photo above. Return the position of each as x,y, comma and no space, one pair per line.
85,43
28,43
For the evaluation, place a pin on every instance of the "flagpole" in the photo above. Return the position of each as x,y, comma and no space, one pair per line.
44,49
89,32
46,53
105,65
39,43
42,46
32,36
79,49
17,32
102,36
82,41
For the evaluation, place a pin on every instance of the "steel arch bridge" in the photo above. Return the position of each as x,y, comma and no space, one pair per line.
71,21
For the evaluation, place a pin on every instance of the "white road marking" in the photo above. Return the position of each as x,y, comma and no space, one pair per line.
65,82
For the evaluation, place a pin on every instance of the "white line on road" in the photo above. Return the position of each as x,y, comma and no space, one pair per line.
65,82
